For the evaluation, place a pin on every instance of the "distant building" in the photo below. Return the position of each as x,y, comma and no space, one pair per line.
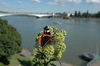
68,15
54,15
72,15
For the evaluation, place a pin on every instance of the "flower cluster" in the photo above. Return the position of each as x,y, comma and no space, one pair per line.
42,56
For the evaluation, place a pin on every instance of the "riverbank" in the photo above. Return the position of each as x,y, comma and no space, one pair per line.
17,60
95,19
63,64
28,54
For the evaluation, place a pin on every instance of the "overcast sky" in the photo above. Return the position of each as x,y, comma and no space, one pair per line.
50,5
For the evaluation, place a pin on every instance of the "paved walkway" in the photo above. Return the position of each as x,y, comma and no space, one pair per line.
26,53
63,64
96,63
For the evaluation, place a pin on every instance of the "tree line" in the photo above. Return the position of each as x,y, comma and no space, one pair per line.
79,14
87,14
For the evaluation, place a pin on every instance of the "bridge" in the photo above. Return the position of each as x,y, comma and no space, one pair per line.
41,15
1,14
26,14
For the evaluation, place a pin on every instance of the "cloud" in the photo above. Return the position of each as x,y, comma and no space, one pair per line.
5,4
75,1
36,1
19,2
55,2
52,3
93,1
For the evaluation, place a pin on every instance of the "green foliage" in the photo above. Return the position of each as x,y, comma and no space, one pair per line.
98,15
87,14
76,14
10,39
79,14
45,56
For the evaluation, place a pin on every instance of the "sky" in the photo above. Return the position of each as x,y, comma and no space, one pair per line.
51,6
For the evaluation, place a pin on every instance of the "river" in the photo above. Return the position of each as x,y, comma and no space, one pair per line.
82,35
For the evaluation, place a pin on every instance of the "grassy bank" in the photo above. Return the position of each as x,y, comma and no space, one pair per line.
16,60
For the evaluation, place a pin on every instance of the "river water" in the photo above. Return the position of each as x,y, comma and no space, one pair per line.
82,35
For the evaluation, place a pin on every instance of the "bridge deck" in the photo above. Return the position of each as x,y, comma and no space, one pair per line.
36,15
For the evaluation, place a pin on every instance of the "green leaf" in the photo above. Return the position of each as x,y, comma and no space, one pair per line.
52,64
58,60
52,59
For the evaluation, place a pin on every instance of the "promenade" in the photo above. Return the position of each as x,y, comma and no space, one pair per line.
96,63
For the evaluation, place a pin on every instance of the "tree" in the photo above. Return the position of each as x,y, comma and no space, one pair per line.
45,56
10,41
98,15
79,14
76,14
84,15
87,13
64,14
